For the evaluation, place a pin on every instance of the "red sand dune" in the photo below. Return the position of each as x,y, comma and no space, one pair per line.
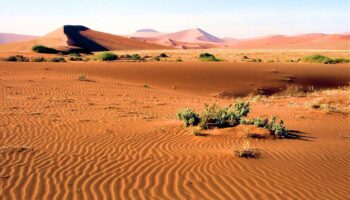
80,37
11,37
305,41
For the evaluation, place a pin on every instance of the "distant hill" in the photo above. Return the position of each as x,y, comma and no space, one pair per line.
80,37
304,41
11,37
191,38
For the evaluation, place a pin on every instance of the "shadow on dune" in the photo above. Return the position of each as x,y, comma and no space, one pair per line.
76,39
298,135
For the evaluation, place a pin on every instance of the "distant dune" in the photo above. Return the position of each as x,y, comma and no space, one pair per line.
197,39
192,38
305,41
69,37
11,37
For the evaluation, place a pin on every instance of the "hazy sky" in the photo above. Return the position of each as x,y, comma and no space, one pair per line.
224,18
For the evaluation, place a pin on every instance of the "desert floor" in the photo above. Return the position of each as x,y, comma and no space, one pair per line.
116,136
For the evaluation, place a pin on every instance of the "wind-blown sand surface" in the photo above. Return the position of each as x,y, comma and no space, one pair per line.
113,138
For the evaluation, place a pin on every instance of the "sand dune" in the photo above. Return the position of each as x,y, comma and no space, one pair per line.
80,37
11,37
186,39
116,139
197,38
306,41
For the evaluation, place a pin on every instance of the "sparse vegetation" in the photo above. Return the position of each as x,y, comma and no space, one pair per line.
57,59
44,49
163,55
294,90
231,115
76,59
82,77
178,60
157,58
189,117
246,151
38,59
208,57
136,57
17,58
106,56
324,59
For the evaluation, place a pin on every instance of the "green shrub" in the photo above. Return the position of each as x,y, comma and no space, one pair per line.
106,56
280,130
135,57
208,57
246,121
74,55
58,59
188,117
38,59
324,59
242,109
229,116
341,60
44,49
17,58
258,122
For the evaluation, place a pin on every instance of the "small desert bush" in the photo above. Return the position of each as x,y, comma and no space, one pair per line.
255,60
163,55
157,58
135,57
208,57
178,60
38,59
246,151
82,77
294,90
228,116
324,59
189,117
276,129
57,59
74,55
106,56
44,49
258,122
76,59
17,58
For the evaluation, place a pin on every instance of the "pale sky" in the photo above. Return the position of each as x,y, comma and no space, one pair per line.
223,18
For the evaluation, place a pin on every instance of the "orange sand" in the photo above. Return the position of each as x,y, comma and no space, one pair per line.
112,138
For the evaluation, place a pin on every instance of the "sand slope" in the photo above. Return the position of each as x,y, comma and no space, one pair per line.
186,39
11,37
80,37
306,41
115,139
